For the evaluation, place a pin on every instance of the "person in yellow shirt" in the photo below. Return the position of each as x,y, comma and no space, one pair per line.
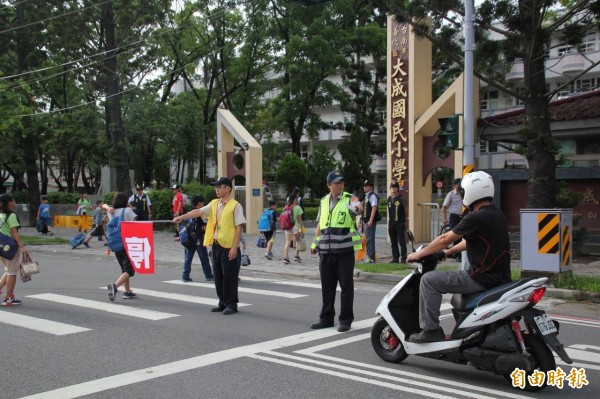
223,231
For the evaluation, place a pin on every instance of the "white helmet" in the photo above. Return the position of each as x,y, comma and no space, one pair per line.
476,186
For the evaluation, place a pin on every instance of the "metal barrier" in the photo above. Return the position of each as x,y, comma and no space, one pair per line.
430,219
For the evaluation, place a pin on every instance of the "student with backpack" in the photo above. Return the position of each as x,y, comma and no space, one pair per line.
117,213
291,223
267,226
191,236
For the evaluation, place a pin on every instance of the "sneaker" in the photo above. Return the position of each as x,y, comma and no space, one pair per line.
297,259
269,256
286,261
112,292
187,279
210,279
86,244
51,233
129,295
11,301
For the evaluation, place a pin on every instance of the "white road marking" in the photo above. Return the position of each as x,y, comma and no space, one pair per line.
577,321
379,383
180,297
430,380
104,306
180,366
38,324
241,289
282,282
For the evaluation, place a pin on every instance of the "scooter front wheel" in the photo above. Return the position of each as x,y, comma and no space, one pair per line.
385,342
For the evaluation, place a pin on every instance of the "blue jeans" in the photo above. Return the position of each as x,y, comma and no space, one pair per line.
189,256
370,234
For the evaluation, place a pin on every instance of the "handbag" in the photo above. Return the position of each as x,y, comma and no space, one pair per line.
245,260
302,244
29,266
261,241
8,246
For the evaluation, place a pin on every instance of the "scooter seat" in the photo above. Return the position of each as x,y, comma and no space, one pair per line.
465,302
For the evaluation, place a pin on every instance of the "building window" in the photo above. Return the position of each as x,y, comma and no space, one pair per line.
483,146
489,100
588,146
578,86
304,151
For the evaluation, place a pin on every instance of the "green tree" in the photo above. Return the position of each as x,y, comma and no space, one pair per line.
291,172
321,164
357,159
522,29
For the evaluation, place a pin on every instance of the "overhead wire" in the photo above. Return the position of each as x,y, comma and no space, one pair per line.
118,93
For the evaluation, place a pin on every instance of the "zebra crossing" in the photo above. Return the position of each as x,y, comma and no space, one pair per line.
15,317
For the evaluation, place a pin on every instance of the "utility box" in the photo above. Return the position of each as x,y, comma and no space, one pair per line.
546,240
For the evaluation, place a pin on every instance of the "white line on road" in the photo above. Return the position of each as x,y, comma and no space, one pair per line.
38,324
180,297
180,366
292,283
379,383
104,306
241,289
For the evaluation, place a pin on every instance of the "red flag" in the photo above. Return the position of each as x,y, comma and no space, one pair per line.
138,239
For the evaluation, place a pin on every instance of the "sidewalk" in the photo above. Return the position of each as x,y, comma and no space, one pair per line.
168,252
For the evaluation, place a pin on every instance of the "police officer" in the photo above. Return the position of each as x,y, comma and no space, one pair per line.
336,240
396,223
140,203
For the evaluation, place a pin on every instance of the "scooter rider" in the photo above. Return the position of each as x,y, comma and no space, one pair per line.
486,241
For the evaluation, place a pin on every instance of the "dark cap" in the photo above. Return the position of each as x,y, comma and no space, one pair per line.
335,176
368,183
394,184
456,181
175,187
223,181
138,187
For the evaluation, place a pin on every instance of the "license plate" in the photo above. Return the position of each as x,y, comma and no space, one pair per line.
545,324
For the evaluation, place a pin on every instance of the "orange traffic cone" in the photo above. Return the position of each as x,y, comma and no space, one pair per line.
360,255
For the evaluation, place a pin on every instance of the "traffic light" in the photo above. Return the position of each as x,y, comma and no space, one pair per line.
448,133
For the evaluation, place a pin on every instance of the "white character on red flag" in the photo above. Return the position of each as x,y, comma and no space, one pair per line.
138,239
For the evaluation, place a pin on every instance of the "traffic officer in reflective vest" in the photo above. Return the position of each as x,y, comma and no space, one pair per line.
336,240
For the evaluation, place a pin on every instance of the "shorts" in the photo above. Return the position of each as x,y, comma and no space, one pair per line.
269,236
11,267
295,230
98,230
125,263
47,221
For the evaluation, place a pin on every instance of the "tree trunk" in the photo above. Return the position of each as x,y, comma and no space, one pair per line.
114,121
541,147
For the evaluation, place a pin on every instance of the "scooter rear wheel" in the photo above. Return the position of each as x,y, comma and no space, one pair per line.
544,360
386,343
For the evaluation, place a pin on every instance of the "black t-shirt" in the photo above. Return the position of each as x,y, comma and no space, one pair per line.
488,245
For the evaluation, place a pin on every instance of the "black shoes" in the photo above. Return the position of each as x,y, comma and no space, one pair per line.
229,311
343,328
427,336
395,260
322,324
403,260
217,309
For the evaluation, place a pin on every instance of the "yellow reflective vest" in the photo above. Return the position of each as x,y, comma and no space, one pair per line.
338,229
225,227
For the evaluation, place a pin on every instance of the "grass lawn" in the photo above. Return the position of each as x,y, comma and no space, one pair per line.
43,240
566,281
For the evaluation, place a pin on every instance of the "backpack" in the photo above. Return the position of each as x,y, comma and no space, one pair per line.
286,220
113,228
187,234
266,222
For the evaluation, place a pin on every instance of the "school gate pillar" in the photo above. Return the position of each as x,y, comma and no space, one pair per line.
239,155
412,122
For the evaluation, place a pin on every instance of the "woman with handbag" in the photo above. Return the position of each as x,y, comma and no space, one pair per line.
9,226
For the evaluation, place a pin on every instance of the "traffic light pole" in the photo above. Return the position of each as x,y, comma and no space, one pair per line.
468,112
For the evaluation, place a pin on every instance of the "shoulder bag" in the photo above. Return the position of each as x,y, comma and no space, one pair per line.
8,246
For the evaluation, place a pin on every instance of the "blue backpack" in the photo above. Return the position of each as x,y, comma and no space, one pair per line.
266,221
187,234
113,228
